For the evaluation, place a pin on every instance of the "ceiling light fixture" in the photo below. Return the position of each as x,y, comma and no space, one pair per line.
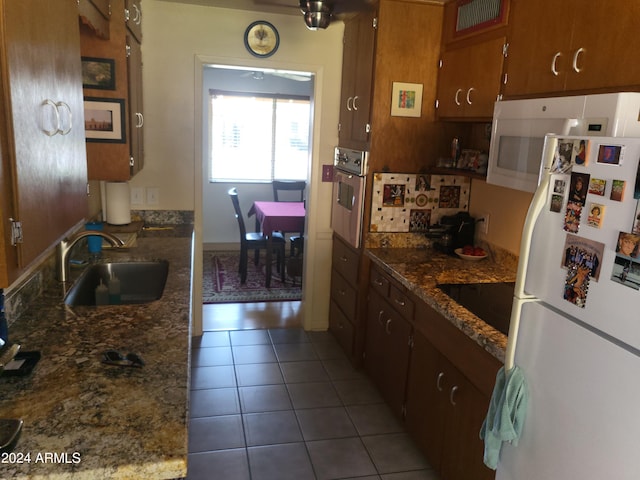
317,14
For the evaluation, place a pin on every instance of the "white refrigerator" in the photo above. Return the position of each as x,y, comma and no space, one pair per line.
575,323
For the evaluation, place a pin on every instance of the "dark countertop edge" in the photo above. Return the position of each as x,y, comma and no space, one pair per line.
444,269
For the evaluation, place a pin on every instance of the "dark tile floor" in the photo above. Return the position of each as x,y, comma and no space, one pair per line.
286,404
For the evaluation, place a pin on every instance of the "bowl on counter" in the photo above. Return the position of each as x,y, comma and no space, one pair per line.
473,258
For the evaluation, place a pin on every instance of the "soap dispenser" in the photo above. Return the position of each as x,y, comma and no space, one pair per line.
114,290
102,294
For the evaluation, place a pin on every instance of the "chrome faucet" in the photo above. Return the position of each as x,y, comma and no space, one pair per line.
65,246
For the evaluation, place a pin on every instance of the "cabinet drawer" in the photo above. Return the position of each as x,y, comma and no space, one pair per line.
343,294
401,302
379,282
346,261
341,328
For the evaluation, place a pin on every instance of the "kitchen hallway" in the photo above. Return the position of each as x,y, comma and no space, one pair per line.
271,401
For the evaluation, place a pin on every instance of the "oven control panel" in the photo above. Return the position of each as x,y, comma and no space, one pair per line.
351,161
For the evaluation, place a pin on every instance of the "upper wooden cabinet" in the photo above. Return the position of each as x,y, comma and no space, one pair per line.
357,73
118,160
133,18
571,46
42,129
95,14
469,80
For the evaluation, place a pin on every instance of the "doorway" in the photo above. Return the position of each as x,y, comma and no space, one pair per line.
219,228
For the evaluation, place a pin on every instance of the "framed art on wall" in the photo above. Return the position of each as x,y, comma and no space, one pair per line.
98,73
406,99
104,120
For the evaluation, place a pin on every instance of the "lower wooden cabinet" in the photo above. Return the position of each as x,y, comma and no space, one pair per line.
387,351
444,413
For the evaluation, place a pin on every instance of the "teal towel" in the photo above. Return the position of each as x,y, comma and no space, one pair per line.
505,417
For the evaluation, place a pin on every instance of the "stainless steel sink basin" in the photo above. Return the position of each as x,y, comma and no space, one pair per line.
140,282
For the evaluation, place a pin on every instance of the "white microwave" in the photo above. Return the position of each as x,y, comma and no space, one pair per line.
519,127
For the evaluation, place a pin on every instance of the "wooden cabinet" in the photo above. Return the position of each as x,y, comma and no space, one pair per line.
580,47
449,385
469,80
444,413
118,160
343,309
136,117
357,77
133,18
95,14
44,173
386,360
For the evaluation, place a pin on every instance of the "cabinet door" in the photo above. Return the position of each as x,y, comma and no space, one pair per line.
387,351
133,18
470,78
463,449
604,42
136,117
425,402
539,38
349,72
47,113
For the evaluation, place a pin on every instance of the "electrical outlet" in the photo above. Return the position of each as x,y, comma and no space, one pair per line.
137,196
153,195
483,223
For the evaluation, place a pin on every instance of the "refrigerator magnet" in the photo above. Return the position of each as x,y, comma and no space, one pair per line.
596,214
581,152
572,217
562,157
610,154
617,190
579,187
584,252
597,186
576,285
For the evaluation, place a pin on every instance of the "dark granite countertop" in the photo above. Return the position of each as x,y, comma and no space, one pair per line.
105,421
420,270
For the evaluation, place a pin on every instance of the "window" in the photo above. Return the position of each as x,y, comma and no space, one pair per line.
258,137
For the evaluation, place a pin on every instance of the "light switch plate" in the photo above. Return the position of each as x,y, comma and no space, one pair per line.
327,173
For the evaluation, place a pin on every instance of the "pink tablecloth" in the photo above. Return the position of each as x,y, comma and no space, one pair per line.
279,216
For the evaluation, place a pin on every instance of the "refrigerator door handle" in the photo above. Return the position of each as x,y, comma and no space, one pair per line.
520,297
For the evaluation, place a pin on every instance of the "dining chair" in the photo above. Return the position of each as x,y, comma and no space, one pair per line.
254,241
296,241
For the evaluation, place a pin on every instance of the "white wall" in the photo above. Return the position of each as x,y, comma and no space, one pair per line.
178,41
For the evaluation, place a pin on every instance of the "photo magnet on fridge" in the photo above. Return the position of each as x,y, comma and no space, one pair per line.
597,186
583,252
610,154
581,152
617,190
596,215
576,285
562,157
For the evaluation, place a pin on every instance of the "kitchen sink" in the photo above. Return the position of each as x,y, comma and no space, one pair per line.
491,302
140,282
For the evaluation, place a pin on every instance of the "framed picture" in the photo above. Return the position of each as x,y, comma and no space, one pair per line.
610,154
406,100
104,120
98,73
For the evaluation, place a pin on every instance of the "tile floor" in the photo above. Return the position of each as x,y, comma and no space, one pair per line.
282,403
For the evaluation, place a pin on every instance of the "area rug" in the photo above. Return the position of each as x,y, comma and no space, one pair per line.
221,281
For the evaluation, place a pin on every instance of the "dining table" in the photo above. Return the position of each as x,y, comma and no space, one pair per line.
277,217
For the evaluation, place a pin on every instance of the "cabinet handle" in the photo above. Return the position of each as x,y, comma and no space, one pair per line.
137,19
554,70
344,259
56,127
350,99
399,302
378,282
387,327
355,107
342,292
456,97
438,380
575,60
451,395
69,115
380,317
469,95
140,118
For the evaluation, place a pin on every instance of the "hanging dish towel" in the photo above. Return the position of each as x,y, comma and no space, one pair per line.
506,414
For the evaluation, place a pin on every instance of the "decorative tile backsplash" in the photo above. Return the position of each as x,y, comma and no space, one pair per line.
403,202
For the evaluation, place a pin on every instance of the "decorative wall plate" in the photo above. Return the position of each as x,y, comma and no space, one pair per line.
261,39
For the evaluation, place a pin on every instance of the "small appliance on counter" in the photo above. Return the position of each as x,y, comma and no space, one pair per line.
456,231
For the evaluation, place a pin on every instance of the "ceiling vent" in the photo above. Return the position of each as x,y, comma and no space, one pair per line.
316,14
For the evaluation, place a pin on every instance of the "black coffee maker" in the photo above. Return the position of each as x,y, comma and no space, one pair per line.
459,230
